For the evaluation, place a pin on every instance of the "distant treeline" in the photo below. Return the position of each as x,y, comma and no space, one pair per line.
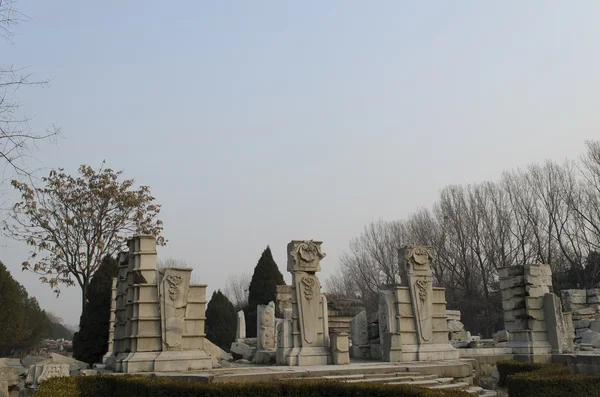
23,324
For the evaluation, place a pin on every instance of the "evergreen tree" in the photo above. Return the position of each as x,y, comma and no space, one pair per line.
263,288
12,325
91,342
22,323
221,321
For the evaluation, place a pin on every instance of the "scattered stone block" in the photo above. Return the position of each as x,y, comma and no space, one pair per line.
358,331
13,363
216,353
53,371
10,376
242,349
591,337
340,349
585,323
500,336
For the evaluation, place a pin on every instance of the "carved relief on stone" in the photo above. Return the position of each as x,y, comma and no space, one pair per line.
173,291
309,284
174,283
419,257
422,286
308,289
266,331
304,255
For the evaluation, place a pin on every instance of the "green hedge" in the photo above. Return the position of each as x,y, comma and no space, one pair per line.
512,367
553,384
136,386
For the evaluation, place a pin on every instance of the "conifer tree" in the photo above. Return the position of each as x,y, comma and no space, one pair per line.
22,323
221,321
263,288
12,315
91,342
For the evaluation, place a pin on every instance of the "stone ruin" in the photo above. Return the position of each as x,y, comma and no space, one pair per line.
584,308
303,335
411,323
157,316
533,315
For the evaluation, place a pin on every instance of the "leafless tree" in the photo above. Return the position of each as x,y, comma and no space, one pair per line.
17,141
237,288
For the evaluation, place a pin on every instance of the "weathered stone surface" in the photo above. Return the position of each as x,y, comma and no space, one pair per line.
591,337
593,292
243,350
500,336
283,299
53,371
594,325
453,315
13,363
585,323
340,349
60,359
216,353
9,375
573,299
28,360
240,332
387,310
373,331
510,271
359,332
587,311
455,326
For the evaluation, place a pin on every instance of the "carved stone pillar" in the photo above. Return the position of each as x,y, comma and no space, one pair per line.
265,332
174,294
420,330
284,338
309,323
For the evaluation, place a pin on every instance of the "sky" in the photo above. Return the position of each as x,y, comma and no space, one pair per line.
258,122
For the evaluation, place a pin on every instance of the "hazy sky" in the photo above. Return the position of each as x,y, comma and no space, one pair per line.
259,122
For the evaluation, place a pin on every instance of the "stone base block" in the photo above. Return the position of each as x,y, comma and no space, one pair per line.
392,347
376,352
118,365
265,356
282,355
361,352
307,356
139,362
531,347
181,361
429,352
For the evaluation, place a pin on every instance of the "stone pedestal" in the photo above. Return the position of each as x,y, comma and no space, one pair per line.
339,348
310,331
420,332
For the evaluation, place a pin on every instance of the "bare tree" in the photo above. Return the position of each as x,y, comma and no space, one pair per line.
16,138
237,289
71,223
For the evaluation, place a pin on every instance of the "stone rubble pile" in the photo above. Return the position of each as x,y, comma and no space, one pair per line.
21,377
584,306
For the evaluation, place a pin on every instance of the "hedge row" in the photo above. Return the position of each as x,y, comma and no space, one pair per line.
553,384
512,367
136,386
543,380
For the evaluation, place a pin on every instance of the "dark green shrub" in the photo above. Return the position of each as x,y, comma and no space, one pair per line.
506,368
137,386
553,382
221,321
262,289
90,343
